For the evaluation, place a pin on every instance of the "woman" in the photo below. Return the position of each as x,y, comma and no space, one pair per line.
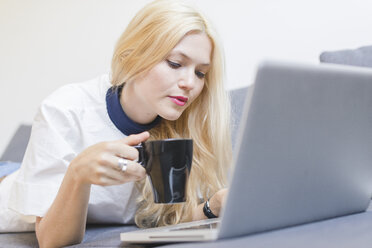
166,82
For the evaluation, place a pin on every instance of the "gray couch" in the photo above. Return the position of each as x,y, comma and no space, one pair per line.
358,57
349,231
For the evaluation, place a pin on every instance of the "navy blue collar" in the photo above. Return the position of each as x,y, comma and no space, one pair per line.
120,118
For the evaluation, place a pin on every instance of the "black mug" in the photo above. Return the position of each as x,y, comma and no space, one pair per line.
168,165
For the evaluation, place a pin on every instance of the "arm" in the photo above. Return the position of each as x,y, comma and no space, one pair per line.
216,202
64,223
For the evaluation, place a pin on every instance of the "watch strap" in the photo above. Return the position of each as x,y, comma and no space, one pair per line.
207,211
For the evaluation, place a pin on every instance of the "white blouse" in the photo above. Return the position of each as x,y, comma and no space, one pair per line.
71,119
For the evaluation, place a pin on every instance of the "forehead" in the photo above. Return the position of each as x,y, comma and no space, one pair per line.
195,46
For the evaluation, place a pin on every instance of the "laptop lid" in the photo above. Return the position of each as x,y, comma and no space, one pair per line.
303,153
304,148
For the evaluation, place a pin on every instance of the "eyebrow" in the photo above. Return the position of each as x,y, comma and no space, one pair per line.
188,58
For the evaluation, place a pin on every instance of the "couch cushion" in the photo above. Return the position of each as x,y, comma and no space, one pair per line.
237,98
17,146
7,167
357,57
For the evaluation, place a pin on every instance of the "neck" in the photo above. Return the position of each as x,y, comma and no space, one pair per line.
120,119
132,105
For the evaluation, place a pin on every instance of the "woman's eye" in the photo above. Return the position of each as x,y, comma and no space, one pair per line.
173,64
200,75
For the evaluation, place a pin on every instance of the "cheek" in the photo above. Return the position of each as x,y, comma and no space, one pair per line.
196,92
199,89
158,78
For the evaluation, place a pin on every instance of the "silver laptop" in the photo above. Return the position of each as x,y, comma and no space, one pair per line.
303,154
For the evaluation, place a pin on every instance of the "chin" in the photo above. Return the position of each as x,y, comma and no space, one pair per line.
171,116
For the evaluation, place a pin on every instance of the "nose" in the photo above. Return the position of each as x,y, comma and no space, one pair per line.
188,80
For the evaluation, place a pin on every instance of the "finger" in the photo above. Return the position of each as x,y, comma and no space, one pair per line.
133,169
110,176
122,150
135,139
123,147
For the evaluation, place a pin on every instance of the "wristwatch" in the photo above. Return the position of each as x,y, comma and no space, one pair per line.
207,211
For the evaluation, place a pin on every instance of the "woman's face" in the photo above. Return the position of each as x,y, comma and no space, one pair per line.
171,85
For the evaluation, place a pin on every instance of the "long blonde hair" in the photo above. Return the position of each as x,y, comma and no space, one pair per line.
148,39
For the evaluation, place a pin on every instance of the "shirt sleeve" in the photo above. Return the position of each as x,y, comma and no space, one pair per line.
51,148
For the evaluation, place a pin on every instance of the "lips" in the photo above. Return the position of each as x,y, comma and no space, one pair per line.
179,100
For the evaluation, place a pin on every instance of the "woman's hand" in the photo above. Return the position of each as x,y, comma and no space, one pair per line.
98,164
217,201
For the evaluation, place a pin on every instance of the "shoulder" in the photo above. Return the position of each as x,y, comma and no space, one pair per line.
76,96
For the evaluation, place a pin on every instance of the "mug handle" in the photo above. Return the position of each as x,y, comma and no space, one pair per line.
141,155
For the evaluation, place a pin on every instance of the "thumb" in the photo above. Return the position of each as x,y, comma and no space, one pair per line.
135,139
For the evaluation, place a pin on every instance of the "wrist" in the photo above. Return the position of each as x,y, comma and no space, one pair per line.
73,174
215,203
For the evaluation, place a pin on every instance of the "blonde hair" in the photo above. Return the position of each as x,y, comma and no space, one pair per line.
148,39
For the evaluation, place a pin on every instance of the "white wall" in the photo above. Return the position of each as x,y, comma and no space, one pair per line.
47,43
